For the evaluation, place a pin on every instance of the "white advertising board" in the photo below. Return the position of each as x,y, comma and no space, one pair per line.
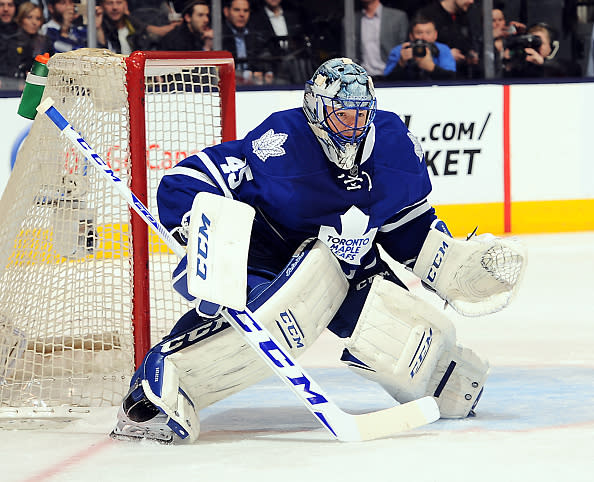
14,129
552,141
461,131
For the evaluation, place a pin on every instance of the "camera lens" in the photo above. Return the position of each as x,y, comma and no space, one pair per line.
419,48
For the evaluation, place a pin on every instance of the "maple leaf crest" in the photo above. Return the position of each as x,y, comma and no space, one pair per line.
355,239
269,145
418,148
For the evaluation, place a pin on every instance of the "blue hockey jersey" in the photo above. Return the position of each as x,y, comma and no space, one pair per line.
280,169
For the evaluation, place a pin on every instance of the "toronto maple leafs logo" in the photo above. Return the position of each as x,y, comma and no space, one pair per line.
418,148
354,241
269,145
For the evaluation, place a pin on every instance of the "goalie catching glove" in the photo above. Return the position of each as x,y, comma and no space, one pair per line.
476,277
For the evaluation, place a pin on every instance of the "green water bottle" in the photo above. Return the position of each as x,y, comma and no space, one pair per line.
34,86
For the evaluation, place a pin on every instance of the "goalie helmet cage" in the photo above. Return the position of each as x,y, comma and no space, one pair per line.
85,287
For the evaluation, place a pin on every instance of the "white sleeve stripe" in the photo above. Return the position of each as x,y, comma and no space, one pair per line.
415,213
186,171
412,206
214,172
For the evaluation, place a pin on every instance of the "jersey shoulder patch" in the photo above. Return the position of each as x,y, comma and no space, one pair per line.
269,144
417,145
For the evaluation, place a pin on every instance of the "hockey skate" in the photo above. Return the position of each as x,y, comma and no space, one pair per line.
155,429
139,419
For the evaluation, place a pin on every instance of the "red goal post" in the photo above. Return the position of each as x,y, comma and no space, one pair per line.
85,287
137,65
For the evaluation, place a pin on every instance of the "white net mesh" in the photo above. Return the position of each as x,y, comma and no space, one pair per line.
66,286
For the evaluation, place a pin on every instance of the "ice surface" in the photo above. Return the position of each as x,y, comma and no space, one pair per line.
535,421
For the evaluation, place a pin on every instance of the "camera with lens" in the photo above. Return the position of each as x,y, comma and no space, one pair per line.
517,43
419,48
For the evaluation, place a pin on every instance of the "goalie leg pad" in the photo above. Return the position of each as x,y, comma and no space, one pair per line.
409,348
295,307
209,361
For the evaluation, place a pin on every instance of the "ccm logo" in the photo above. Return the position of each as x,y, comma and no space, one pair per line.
422,354
290,329
202,247
277,356
437,261
194,336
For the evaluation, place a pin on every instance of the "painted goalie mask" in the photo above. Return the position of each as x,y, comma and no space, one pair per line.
340,105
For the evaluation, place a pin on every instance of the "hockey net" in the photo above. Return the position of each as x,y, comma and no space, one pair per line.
85,288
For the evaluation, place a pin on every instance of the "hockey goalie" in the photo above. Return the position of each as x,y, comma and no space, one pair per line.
328,183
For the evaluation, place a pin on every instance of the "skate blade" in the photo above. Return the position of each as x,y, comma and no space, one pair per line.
165,439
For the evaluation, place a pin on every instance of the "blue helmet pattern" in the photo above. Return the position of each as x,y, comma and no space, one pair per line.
340,89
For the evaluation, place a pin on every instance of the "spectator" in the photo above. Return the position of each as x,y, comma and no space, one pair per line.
194,33
120,32
13,48
282,31
246,46
280,26
156,12
8,26
123,33
377,30
422,58
454,29
42,3
501,30
30,19
65,29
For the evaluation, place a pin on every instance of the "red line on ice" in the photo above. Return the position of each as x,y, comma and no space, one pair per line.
63,465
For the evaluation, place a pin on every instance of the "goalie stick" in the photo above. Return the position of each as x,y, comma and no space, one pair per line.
342,425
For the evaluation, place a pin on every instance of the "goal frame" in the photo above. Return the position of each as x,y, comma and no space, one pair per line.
86,286
136,64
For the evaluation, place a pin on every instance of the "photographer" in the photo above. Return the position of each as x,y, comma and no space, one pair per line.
532,54
452,20
423,58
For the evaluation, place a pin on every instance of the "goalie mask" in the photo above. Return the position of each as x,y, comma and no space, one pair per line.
340,105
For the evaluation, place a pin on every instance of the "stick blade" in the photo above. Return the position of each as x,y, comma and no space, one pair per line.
392,421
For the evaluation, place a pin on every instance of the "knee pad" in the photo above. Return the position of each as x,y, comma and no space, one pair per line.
409,348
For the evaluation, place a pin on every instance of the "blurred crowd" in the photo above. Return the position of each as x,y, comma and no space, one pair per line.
281,42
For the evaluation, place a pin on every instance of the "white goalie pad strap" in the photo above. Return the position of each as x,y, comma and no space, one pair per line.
458,381
476,277
218,243
403,343
296,313
164,389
